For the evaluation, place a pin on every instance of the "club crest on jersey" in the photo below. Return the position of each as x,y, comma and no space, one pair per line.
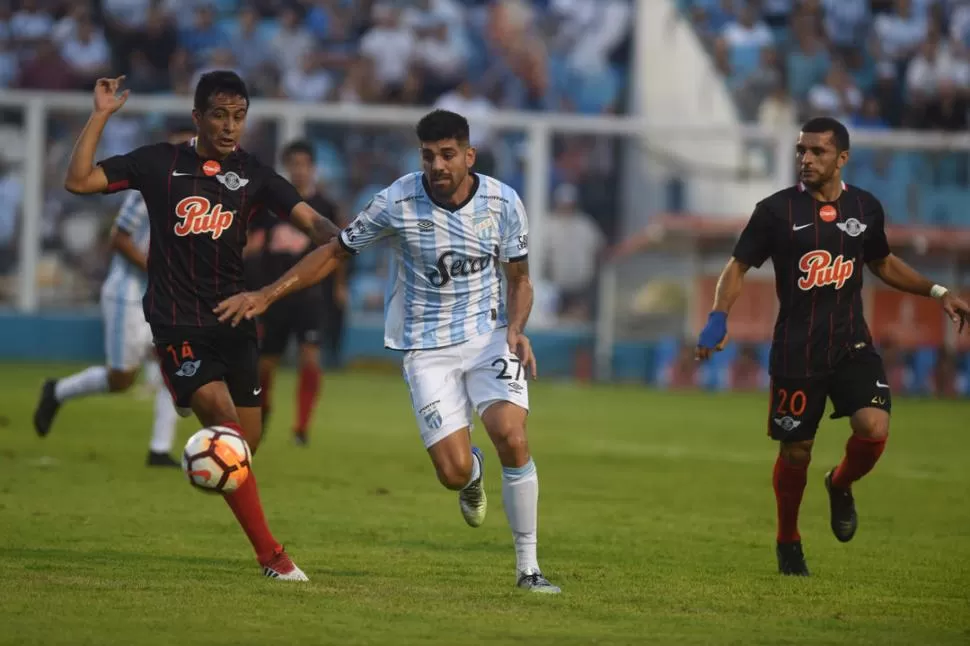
821,270
852,227
483,227
232,181
199,216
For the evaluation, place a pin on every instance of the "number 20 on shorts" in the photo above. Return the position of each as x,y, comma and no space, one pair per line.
793,405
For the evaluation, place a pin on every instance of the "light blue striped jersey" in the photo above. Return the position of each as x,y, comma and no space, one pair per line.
126,282
445,278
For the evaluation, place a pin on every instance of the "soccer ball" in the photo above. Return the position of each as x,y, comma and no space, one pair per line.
216,459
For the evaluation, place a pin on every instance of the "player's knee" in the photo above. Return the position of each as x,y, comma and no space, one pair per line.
871,424
120,380
455,473
797,453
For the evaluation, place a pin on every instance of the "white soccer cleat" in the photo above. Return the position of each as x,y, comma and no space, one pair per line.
282,568
472,499
533,581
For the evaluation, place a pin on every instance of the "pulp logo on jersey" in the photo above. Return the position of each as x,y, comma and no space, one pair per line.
452,265
199,216
211,167
852,227
232,181
828,213
821,270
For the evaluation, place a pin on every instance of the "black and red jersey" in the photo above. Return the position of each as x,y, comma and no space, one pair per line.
818,250
284,245
199,210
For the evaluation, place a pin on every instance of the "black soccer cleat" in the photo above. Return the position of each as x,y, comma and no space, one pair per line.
844,519
791,559
46,408
300,439
160,459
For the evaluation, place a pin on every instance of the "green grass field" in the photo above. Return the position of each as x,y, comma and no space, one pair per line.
657,519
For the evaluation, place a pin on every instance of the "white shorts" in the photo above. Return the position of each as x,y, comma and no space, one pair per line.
127,336
448,384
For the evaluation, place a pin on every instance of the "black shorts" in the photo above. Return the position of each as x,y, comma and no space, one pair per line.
798,403
300,318
191,357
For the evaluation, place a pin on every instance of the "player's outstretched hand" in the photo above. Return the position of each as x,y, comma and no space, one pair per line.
106,97
712,337
247,305
956,308
522,348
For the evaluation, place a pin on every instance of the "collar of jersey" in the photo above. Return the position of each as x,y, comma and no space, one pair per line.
448,207
194,140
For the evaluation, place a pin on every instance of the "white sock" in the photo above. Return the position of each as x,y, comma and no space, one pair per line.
520,497
476,471
87,382
163,430
152,374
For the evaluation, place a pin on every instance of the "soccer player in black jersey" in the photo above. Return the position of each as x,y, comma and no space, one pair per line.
274,247
200,196
818,235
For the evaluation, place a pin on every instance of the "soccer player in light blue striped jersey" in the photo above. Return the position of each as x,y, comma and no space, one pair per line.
127,336
453,235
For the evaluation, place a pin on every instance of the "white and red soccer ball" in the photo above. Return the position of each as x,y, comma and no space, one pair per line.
216,459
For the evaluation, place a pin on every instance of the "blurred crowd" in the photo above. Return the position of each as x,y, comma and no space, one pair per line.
471,56
875,64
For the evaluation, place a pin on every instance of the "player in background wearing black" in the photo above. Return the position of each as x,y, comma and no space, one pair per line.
200,196
274,247
818,235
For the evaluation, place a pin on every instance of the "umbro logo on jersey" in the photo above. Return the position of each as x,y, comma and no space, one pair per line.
199,216
425,225
799,227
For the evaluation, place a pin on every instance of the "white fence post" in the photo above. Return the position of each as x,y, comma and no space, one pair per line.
35,120
537,190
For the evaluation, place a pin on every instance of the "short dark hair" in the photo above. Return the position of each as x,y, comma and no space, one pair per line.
300,146
179,127
442,124
218,82
821,125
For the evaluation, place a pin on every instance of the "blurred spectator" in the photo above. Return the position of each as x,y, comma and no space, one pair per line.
753,89
291,42
746,37
467,101
203,36
590,31
846,22
746,372
47,70
309,82
359,84
945,376
87,52
64,29
30,25
837,97
681,372
900,32
573,243
390,45
11,199
157,39
9,63
440,58
808,60
778,111
249,42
